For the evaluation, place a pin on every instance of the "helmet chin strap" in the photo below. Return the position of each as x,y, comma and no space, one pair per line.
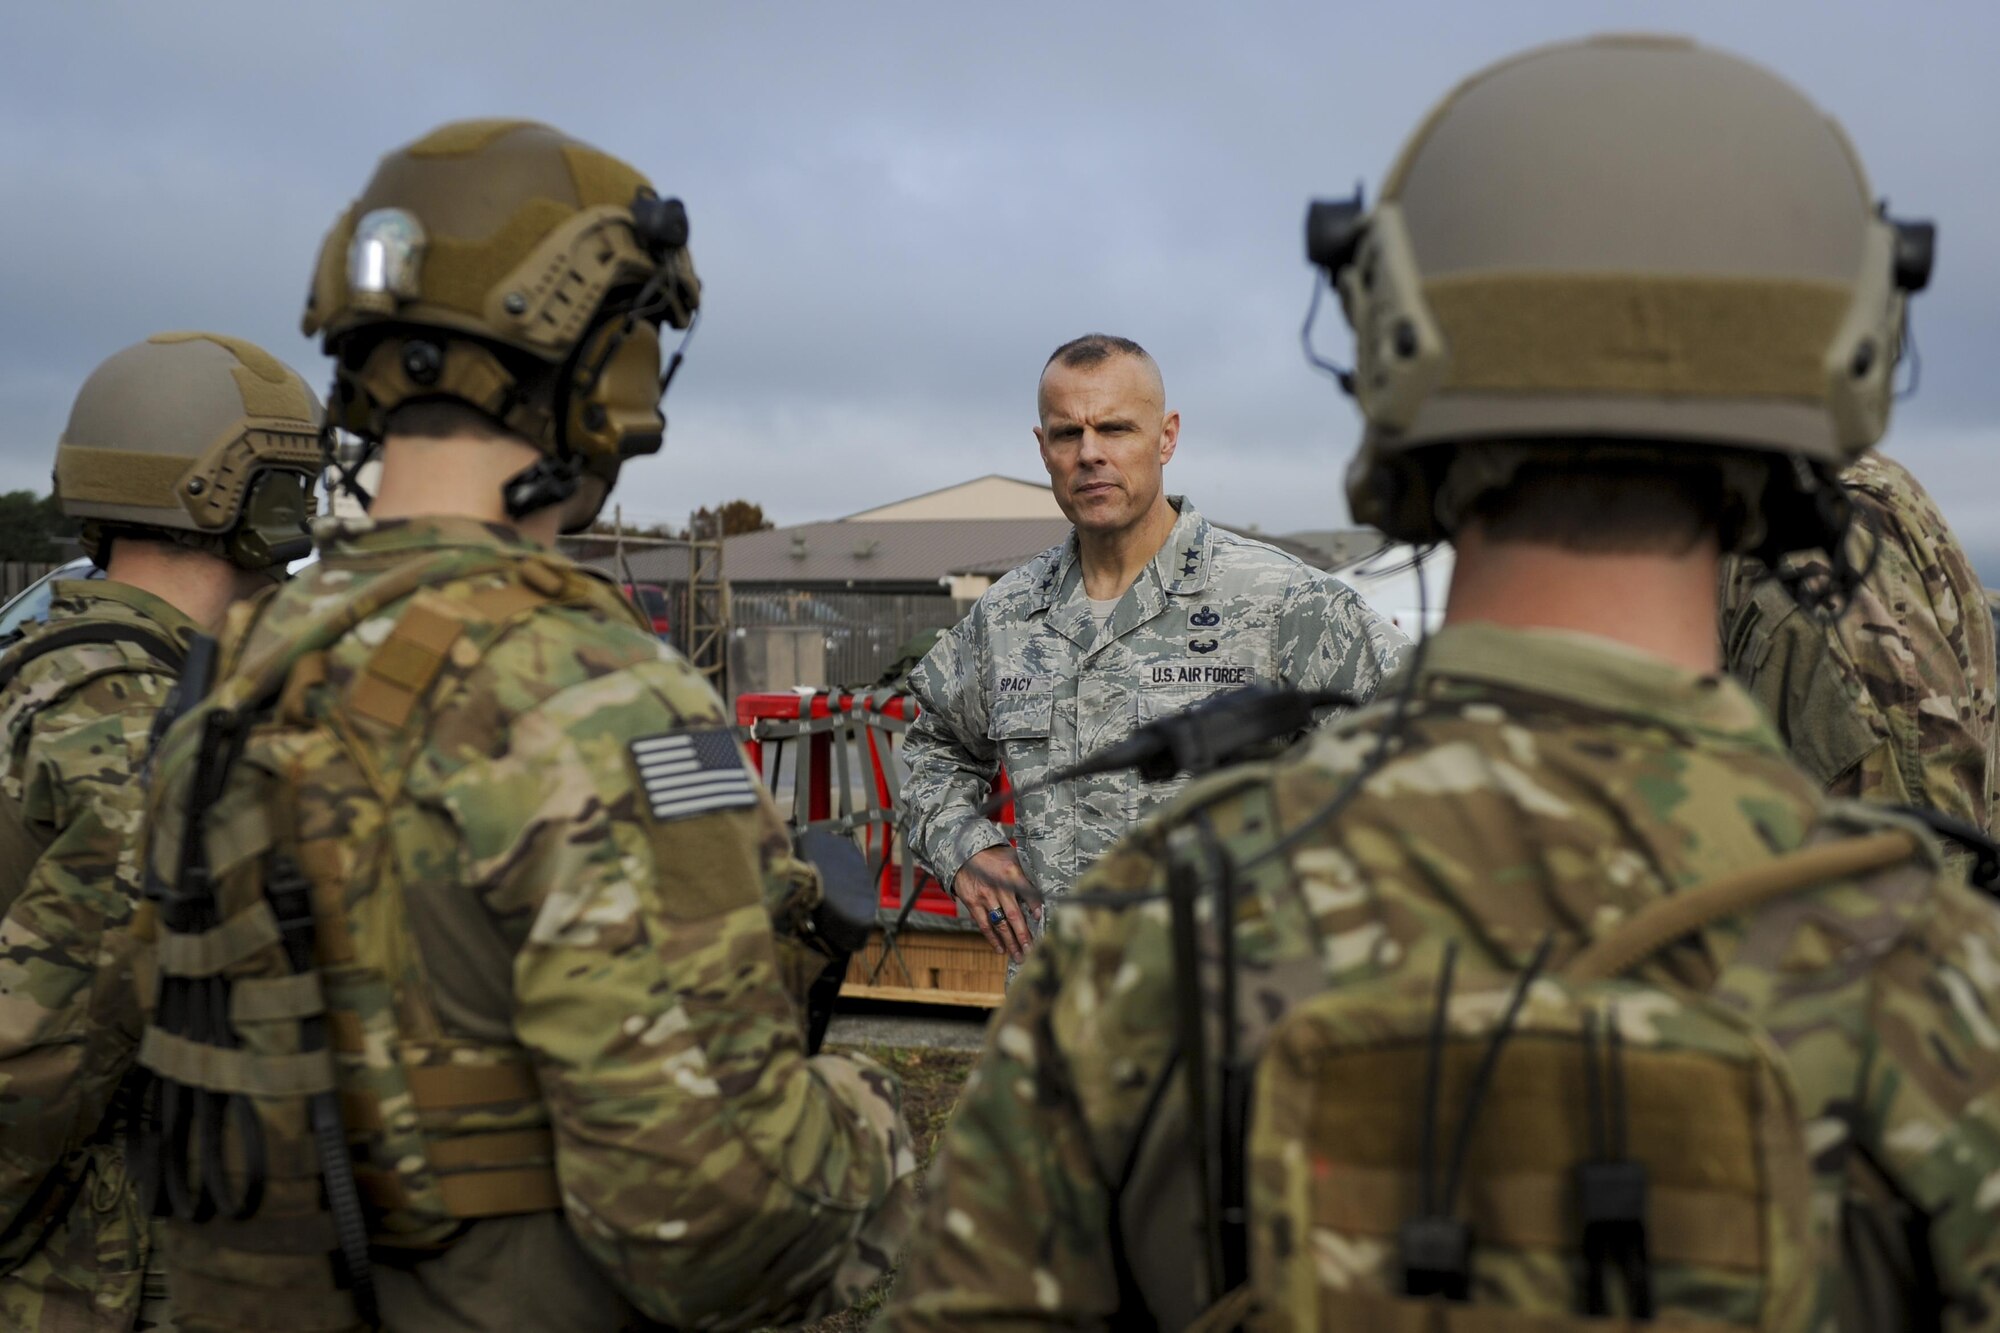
545,482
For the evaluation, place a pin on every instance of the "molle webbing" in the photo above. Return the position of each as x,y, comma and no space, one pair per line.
399,673
1638,334
495,1173
1667,919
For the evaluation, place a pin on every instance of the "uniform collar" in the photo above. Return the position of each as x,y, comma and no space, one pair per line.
365,537
1180,567
1599,675
105,599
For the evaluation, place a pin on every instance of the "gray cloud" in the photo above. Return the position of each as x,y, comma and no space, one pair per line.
898,209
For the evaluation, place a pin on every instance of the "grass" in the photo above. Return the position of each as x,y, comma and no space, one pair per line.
931,1080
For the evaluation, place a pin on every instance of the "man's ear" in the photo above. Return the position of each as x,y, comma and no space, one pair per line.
1170,435
1042,446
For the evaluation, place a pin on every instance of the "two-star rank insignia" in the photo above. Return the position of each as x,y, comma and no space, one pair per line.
1192,555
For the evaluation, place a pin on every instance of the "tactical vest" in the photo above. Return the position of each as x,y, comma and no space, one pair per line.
22,842
1627,1144
308,1104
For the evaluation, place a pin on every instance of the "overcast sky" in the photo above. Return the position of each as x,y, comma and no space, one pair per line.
898,209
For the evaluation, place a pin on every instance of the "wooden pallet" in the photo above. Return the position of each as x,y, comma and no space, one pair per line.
943,967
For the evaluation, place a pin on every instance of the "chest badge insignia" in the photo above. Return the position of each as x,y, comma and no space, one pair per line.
1204,619
1202,645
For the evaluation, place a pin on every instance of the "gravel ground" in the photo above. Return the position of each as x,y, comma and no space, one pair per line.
925,1026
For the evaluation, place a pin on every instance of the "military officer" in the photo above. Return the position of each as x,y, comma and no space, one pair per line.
1145,610
517,1046
1261,1074
190,458
1892,700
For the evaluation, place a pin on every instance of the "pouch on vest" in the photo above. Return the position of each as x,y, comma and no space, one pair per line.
308,1105
1502,1152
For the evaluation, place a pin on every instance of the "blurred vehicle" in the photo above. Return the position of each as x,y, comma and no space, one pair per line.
651,598
30,606
1389,580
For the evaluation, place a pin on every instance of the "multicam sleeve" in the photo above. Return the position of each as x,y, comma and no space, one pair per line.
68,1013
1930,1107
1922,640
719,1177
1330,639
952,761
1017,1215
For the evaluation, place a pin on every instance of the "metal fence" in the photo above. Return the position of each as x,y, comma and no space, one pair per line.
862,633
16,575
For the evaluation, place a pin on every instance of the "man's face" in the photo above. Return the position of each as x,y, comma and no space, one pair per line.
1106,437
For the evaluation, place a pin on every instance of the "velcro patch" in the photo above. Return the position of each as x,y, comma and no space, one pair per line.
686,773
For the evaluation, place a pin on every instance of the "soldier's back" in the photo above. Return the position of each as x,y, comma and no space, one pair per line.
1543,787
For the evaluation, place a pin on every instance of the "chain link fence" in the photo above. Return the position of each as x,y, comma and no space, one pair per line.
859,634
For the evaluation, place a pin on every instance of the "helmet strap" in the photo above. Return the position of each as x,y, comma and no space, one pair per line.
345,475
545,482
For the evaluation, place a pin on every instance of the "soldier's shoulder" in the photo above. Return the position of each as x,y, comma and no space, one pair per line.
77,678
561,650
1236,552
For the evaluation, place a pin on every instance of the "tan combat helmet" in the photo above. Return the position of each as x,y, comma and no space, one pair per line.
1625,239
511,268
195,438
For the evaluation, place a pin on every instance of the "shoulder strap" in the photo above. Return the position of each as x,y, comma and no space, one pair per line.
1660,923
164,650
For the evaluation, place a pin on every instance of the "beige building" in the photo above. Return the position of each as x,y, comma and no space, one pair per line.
990,496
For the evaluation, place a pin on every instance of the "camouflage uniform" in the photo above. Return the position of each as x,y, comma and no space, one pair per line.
77,723
1547,782
1893,702
711,1175
1027,682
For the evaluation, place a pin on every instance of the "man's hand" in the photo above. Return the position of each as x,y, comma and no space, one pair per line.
994,879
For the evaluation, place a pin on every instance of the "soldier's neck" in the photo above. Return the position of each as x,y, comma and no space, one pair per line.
458,476
198,585
1662,605
1113,560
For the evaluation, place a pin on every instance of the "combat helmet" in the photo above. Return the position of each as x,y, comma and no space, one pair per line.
509,267
195,438
1628,242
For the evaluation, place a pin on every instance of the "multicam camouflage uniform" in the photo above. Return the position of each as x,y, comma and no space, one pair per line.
711,1175
1548,782
77,724
1028,682
1894,701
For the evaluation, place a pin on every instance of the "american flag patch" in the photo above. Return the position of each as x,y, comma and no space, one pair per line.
692,772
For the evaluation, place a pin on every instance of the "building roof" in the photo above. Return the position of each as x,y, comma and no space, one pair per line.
910,551
987,497
1337,548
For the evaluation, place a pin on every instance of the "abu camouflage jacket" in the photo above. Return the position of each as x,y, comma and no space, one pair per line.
1895,701
1027,681
76,725
1547,782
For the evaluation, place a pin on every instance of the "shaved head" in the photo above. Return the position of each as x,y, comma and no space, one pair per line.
1093,350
